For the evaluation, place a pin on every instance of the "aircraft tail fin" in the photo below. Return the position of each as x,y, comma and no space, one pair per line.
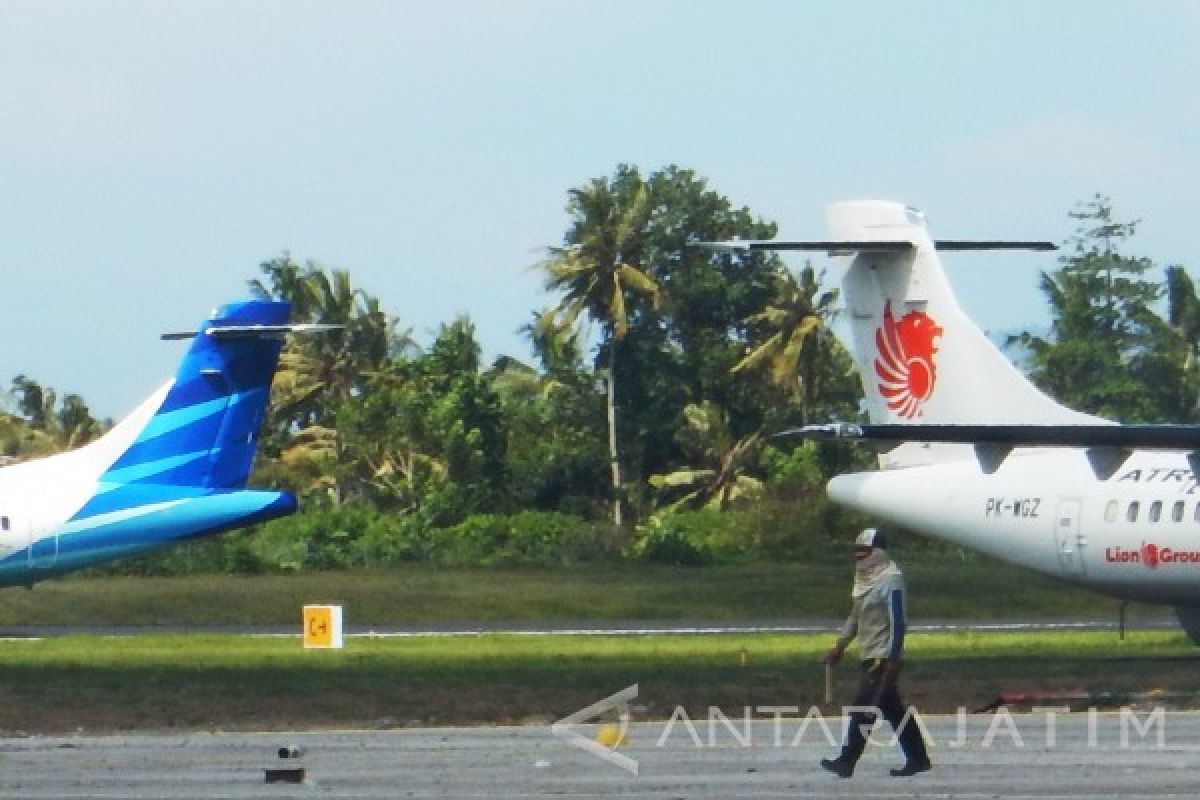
201,430
922,359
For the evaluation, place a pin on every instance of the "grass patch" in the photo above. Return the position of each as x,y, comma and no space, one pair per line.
942,586
230,682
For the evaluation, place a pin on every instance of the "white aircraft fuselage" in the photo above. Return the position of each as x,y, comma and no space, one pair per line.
981,457
1134,536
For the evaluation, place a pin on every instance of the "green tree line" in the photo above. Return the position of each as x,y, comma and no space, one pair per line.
641,429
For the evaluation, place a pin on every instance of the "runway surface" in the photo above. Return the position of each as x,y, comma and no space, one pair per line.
593,627
981,756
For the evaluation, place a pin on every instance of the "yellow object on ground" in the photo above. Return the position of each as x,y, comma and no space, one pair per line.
323,627
610,736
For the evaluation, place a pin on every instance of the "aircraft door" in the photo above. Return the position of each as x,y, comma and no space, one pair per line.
1069,540
43,547
44,551
13,536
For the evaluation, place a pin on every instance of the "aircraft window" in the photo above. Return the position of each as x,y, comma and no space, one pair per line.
4,524
1110,511
1132,514
1177,511
1155,510
1196,513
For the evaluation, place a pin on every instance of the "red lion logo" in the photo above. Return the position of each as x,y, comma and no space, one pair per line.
1150,555
905,360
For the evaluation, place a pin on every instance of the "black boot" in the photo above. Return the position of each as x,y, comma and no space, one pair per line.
912,768
843,769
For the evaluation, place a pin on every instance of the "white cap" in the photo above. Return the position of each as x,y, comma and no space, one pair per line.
870,537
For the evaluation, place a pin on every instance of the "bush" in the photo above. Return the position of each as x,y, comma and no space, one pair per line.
806,528
697,538
346,536
528,538
206,556
666,539
798,468
809,528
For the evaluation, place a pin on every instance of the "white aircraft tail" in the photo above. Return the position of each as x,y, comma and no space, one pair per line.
922,360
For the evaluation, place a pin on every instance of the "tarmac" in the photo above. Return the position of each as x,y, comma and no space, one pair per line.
1138,754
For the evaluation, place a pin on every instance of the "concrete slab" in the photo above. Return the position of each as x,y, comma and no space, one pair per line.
1077,755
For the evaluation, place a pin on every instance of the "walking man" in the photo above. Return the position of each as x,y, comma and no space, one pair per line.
877,618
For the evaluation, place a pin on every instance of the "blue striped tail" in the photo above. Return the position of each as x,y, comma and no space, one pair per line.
204,436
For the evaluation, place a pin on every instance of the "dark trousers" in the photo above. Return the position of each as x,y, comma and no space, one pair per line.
893,708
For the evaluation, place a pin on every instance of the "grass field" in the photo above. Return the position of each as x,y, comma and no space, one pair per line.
239,682
210,682
941,586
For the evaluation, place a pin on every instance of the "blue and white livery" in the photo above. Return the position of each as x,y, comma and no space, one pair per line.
174,469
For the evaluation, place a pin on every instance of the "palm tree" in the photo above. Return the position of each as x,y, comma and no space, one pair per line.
720,478
35,402
318,376
595,272
287,280
791,327
75,424
51,425
556,344
1183,313
19,440
1183,309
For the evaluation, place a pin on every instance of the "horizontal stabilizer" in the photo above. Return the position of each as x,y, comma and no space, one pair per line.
988,244
1148,437
869,246
255,331
752,245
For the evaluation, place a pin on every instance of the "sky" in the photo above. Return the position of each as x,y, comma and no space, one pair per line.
153,153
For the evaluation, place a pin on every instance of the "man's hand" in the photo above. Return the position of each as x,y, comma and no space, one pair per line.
835,654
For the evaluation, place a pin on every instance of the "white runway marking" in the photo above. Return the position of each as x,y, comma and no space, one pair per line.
710,630
621,628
